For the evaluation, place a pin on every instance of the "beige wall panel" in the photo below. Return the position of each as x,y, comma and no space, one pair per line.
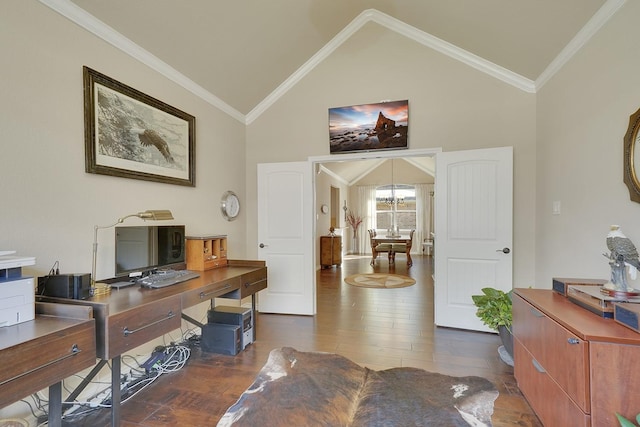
583,114
50,205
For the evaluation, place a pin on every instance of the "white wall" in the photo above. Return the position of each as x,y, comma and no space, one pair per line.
324,182
450,105
49,204
583,115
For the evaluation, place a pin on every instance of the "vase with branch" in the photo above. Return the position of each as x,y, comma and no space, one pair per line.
354,220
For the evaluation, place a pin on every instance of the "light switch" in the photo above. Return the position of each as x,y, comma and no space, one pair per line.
556,208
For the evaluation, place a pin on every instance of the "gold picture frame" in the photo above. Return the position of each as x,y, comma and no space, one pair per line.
632,157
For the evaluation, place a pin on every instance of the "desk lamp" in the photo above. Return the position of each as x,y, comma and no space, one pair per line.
152,215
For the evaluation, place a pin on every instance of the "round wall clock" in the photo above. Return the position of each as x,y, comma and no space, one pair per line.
230,205
324,209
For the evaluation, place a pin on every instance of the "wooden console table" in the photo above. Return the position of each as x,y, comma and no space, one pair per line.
57,344
129,317
330,251
574,367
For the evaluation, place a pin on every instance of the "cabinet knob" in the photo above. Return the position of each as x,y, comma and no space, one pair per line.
573,341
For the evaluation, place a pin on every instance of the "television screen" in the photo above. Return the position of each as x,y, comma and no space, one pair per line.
369,127
140,249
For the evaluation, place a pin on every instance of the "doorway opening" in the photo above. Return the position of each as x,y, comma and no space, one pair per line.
345,171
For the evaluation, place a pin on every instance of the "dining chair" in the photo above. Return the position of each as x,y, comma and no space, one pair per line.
377,248
403,248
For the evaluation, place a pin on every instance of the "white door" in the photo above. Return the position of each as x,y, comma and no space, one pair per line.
285,237
473,226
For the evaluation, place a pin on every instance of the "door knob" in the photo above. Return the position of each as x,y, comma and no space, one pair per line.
262,245
504,250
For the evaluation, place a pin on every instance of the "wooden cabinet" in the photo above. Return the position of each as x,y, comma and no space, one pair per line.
330,251
204,253
574,367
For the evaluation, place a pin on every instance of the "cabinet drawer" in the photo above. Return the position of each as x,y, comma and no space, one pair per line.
253,282
212,290
563,355
135,327
614,382
214,263
528,324
45,360
552,405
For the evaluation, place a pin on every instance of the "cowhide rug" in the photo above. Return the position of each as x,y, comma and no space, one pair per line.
323,389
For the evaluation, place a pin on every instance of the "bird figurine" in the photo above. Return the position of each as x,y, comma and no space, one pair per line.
623,254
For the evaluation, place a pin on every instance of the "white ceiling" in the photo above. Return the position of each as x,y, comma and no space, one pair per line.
241,51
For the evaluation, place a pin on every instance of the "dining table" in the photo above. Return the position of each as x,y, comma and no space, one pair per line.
401,238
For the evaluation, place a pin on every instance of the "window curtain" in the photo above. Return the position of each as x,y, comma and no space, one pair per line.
424,212
365,206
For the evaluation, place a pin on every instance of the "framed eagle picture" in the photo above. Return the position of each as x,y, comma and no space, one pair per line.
133,135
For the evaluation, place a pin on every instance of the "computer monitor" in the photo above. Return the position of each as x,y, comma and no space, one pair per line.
140,249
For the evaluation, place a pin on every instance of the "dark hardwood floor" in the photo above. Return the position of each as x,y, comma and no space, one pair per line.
377,328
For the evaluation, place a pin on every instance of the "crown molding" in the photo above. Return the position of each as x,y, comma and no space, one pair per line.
371,168
452,51
428,170
333,175
90,23
581,38
393,24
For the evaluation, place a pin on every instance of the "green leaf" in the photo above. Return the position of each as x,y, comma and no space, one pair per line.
625,422
494,308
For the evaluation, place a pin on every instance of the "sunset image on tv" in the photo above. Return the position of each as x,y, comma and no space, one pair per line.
369,127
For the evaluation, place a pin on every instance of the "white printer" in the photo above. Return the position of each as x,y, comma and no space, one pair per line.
17,293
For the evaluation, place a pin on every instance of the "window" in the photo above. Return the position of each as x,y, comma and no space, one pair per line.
405,196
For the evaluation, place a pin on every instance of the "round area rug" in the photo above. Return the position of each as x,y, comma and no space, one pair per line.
379,280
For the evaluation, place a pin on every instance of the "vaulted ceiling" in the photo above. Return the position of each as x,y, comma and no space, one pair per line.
242,51
240,54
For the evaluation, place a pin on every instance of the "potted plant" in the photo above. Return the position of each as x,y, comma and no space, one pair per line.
494,309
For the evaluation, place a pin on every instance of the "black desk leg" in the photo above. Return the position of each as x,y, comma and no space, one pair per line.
116,394
253,316
55,405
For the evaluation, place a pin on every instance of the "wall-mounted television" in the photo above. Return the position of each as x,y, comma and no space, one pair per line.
141,249
369,127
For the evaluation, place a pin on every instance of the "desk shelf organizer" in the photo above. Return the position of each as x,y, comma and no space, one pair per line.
206,252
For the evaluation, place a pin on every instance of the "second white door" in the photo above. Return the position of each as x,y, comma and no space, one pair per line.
285,237
473,231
